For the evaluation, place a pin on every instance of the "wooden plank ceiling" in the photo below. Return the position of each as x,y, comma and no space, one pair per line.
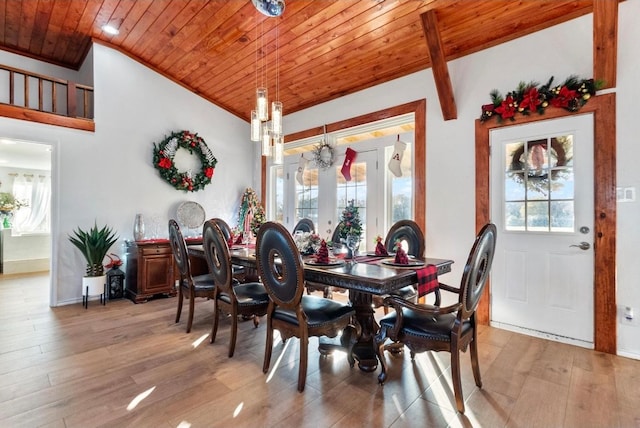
325,49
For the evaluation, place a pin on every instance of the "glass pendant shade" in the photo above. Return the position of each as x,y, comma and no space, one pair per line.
278,150
262,104
266,140
255,126
276,118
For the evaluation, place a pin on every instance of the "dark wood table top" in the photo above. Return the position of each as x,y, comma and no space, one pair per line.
370,276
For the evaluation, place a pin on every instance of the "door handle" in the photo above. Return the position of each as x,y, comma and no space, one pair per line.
583,246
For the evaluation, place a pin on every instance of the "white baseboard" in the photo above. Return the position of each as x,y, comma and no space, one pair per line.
25,266
629,354
542,335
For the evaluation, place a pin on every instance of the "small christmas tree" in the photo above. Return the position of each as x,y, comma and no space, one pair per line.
350,220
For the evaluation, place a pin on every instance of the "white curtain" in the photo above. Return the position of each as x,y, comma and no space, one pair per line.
36,192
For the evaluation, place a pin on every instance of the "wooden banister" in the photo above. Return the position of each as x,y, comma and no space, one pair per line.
75,111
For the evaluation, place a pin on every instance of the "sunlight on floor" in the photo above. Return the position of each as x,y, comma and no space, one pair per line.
276,338
139,398
238,409
199,340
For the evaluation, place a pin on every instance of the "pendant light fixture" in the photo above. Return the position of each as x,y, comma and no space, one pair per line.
263,130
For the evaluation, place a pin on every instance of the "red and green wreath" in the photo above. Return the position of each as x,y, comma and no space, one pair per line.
164,152
529,97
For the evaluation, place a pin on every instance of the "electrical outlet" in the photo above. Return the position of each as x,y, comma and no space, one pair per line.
628,315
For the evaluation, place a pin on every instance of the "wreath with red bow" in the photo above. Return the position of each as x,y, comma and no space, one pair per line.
164,152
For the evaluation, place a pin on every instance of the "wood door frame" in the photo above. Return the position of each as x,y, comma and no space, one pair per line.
603,108
419,110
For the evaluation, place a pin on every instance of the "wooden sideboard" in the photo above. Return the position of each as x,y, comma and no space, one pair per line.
151,270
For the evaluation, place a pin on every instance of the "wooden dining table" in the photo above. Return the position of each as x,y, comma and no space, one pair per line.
364,278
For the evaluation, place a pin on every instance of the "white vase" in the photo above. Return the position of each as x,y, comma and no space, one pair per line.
93,285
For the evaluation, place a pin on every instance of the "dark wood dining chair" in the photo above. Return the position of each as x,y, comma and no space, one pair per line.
189,286
249,300
304,225
452,328
290,311
239,272
409,232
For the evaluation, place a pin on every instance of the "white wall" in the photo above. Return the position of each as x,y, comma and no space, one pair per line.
560,51
108,176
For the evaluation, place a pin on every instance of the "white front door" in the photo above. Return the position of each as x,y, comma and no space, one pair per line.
542,204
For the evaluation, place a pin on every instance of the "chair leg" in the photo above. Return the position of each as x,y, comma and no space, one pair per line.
192,304
216,315
234,331
269,346
475,364
180,299
302,370
455,376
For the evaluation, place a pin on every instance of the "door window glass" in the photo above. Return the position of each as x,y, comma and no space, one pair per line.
356,191
401,188
539,185
306,200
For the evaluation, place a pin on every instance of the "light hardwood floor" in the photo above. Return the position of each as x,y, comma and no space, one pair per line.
127,365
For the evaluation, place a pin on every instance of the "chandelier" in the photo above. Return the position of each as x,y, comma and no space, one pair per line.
268,132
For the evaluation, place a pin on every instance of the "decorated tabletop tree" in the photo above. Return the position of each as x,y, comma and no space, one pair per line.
350,219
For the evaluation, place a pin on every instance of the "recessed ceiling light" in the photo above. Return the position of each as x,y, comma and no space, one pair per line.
110,30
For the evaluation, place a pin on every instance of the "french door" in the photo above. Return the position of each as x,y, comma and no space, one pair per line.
324,193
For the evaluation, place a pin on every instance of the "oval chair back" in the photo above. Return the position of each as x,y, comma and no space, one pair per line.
476,271
217,254
179,248
304,225
224,228
280,265
409,231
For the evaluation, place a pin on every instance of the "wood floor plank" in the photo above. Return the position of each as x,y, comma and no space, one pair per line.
550,403
75,367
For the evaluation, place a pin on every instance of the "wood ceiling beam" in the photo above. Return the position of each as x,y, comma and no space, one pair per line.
605,42
439,65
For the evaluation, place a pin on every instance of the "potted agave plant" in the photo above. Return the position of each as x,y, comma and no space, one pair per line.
94,245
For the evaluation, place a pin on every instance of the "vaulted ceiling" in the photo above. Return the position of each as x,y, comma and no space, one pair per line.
322,49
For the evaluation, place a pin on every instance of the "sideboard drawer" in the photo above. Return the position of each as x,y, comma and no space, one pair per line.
155,250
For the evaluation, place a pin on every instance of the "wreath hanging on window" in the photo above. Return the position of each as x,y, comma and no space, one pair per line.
529,162
323,155
164,152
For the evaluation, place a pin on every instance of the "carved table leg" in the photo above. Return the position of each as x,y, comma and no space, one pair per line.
363,350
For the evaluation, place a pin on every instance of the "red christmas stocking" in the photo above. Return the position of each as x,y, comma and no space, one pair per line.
349,157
